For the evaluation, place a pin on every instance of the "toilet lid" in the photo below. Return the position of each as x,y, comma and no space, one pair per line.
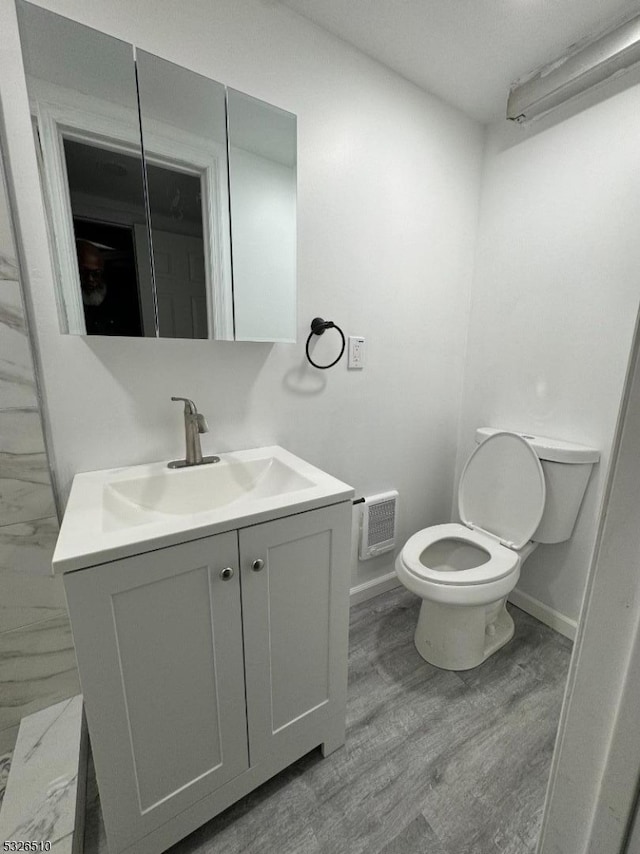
502,489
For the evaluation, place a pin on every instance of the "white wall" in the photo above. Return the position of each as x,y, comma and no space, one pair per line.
263,217
388,187
596,764
555,296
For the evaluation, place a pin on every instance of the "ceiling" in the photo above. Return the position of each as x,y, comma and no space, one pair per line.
468,52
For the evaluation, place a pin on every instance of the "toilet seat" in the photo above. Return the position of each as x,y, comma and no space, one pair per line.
502,560
501,498
502,489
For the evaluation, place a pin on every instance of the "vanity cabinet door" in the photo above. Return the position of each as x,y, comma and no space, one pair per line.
295,599
159,644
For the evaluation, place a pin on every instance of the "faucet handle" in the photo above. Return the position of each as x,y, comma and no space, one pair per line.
203,427
189,405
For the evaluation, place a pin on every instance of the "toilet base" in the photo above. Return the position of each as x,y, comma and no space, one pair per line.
460,638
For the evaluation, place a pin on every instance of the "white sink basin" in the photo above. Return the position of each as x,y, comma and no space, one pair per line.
203,488
119,512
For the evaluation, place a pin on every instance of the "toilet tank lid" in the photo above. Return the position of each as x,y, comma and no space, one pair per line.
553,450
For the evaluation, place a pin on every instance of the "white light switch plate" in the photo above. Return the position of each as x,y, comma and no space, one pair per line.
356,352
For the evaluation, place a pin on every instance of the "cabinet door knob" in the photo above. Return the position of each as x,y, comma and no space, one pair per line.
226,573
257,565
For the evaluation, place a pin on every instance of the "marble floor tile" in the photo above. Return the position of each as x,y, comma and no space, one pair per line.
435,762
27,547
41,797
37,668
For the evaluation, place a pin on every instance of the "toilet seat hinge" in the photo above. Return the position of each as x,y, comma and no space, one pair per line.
508,543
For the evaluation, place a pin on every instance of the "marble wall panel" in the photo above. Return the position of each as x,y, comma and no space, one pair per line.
5,765
47,778
37,668
17,380
8,263
25,481
8,739
27,548
42,794
21,436
37,660
26,599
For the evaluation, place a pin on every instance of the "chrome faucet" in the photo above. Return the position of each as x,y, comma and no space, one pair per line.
194,424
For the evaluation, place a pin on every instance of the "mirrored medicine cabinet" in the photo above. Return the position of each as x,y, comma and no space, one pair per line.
171,198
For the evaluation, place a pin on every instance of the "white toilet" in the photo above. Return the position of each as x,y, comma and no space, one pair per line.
515,491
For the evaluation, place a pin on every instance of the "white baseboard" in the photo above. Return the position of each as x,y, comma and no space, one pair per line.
554,619
369,589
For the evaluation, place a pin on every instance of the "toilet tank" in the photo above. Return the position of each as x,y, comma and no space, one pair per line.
567,467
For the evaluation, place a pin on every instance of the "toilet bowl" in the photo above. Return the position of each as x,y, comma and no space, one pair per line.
463,572
464,578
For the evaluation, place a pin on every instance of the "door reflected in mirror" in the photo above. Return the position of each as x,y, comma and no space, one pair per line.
109,225
178,253
183,120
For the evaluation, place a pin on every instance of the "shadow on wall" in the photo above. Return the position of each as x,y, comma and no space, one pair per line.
182,360
304,380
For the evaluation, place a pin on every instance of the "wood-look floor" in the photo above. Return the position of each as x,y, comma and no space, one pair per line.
435,762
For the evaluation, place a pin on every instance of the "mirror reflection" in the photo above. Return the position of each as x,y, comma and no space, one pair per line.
178,253
109,226
262,185
183,119
151,173
86,118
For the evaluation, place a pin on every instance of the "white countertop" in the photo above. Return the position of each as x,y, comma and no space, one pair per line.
102,524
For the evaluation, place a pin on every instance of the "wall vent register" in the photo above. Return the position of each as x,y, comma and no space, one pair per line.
378,524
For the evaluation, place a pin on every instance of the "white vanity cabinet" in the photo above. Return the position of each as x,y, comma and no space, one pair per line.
209,666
